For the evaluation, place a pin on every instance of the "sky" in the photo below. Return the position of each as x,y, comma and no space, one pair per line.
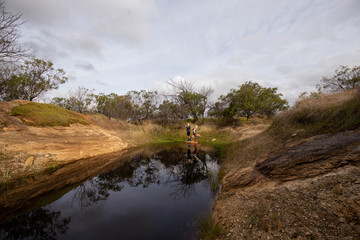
115,46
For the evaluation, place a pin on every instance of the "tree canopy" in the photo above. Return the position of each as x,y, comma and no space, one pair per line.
30,80
250,98
193,101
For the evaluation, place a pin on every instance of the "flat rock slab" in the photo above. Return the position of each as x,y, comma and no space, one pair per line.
312,158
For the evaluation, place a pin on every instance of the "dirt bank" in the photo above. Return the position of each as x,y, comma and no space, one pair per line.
28,149
308,189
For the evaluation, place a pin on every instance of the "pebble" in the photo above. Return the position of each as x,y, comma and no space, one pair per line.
29,161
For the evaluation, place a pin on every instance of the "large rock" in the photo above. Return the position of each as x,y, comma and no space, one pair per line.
314,157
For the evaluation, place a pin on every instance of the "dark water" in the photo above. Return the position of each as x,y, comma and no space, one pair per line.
156,194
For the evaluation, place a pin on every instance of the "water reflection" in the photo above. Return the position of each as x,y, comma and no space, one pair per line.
37,224
173,176
164,167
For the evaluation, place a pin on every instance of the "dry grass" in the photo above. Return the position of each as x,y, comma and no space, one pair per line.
325,100
324,114
244,153
246,131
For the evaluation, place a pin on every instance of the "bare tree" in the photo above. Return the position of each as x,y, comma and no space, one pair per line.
10,48
181,86
194,101
206,92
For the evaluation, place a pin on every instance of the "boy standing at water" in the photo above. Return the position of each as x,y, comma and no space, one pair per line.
188,130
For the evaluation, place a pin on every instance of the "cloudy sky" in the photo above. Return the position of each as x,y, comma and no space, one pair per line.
122,45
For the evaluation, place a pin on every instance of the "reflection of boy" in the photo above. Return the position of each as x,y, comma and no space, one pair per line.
189,153
196,152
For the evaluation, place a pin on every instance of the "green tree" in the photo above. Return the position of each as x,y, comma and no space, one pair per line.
31,79
193,102
244,101
271,102
62,102
144,104
343,79
113,105
169,112
249,99
223,110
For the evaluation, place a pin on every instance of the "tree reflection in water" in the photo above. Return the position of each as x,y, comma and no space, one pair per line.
180,169
164,167
37,224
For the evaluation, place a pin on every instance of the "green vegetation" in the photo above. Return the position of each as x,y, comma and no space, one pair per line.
6,173
213,180
30,80
206,230
249,99
177,133
38,114
221,174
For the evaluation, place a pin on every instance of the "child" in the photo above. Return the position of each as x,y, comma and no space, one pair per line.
195,133
188,130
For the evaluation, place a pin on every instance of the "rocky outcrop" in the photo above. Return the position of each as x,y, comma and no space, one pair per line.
310,190
313,157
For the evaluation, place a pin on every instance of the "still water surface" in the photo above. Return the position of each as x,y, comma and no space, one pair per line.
155,194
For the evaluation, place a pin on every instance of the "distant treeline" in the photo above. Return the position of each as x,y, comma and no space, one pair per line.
184,102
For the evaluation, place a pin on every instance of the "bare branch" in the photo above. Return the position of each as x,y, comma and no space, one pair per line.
10,48
181,85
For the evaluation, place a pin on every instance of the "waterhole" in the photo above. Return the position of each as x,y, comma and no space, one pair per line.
157,192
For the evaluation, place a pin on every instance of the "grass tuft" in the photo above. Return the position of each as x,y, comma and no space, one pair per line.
206,230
